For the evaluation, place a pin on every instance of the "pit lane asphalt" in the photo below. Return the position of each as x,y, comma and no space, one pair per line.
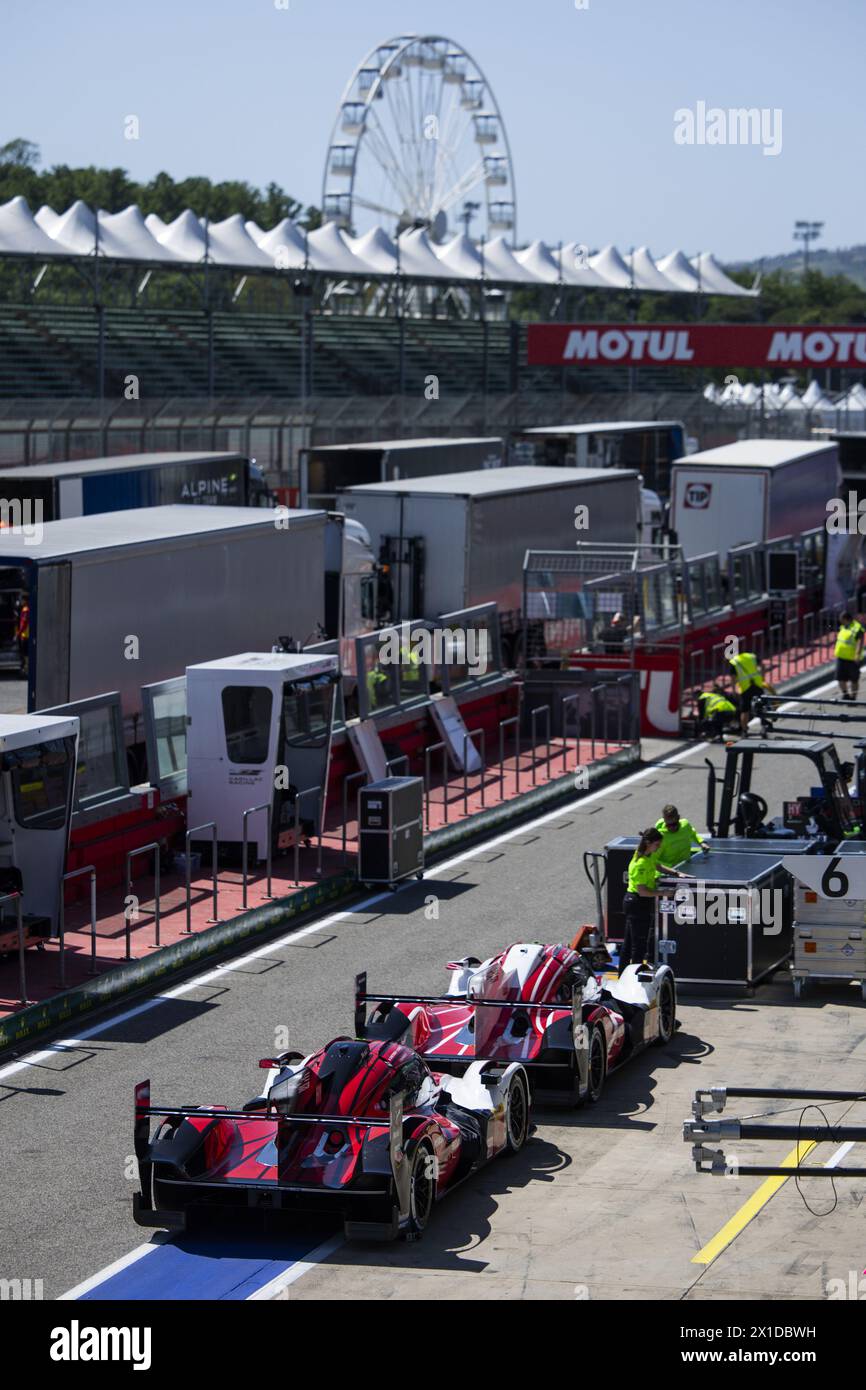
66,1118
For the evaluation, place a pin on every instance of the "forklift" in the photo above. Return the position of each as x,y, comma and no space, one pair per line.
826,813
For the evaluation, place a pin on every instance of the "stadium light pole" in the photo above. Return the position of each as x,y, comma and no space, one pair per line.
469,211
807,232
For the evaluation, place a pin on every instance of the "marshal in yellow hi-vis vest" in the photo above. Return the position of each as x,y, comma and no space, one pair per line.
849,642
747,671
711,703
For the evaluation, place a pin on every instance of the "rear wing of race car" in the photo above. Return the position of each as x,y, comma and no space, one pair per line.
283,1119
390,1001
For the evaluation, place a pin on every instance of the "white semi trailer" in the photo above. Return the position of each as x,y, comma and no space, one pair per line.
124,599
753,490
455,541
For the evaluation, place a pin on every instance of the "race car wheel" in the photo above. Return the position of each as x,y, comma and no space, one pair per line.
422,1191
597,1061
516,1115
667,1013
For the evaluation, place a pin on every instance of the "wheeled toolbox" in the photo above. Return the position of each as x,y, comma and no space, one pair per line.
618,854
722,929
391,830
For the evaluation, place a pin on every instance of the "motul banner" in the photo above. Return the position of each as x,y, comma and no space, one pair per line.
693,345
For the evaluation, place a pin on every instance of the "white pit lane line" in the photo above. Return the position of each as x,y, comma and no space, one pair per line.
218,972
157,1239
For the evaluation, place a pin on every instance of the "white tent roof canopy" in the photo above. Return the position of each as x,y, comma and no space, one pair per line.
190,240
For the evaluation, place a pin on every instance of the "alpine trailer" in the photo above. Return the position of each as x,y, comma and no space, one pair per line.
125,599
56,491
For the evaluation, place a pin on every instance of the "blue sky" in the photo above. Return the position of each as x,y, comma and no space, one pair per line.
243,89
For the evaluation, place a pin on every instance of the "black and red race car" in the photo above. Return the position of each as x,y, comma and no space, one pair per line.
558,1010
361,1130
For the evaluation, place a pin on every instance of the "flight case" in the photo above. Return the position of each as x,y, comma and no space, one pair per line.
391,830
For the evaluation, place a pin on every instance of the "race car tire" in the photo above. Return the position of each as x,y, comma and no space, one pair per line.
597,1060
422,1190
516,1115
667,1013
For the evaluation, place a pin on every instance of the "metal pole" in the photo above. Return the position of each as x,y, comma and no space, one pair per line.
61,936
156,882
503,725
569,700
93,922
133,853
269,894
473,733
22,973
296,847
434,748
539,709
251,811
76,873
196,830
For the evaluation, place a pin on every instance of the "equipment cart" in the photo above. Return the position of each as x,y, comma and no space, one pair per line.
829,934
731,925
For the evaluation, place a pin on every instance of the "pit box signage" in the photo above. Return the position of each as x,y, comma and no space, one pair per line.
836,877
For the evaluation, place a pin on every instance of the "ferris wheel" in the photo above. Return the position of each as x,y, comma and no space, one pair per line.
419,141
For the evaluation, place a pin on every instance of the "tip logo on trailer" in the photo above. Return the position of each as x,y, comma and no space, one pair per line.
697,496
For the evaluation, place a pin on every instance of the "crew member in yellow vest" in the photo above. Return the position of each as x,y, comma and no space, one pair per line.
22,632
678,837
410,667
644,871
749,682
376,681
849,654
714,711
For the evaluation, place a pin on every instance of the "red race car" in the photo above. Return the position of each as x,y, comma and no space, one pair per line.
552,1008
362,1130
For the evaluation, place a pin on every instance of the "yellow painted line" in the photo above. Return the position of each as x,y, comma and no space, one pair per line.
749,1210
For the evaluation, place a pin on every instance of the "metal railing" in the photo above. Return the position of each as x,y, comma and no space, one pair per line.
533,715
251,811
784,651
503,725
190,834
19,924
470,734
133,854
564,701
435,748
360,777
61,920
297,835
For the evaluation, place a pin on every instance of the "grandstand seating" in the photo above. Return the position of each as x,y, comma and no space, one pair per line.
52,350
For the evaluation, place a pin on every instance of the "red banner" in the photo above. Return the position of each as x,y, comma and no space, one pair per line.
693,345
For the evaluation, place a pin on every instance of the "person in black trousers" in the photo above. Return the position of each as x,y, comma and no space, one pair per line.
644,872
